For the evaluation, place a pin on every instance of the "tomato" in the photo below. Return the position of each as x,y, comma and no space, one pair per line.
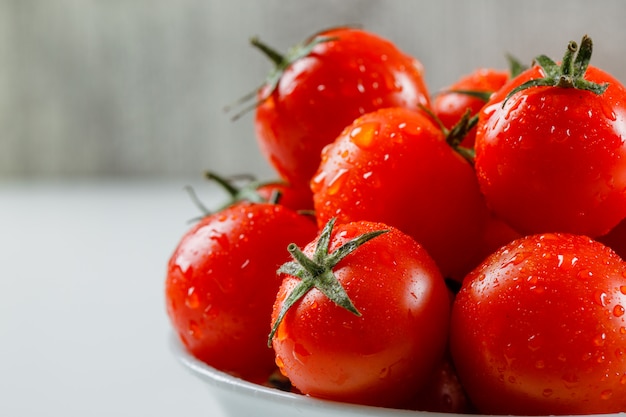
321,87
380,337
221,284
550,154
394,166
451,104
539,328
616,239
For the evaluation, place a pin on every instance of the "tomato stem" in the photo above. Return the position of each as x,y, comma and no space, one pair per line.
317,272
281,63
570,74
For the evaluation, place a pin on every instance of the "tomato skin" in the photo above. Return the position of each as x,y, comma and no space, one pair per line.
320,94
383,357
221,284
539,329
450,107
394,166
554,159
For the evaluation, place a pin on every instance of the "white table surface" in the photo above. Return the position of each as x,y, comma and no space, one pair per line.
83,328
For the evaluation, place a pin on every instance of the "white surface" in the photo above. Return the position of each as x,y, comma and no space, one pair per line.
83,328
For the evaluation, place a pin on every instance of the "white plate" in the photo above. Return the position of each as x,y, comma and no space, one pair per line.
241,398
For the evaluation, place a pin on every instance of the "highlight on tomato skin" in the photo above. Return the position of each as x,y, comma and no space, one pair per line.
539,329
386,353
221,284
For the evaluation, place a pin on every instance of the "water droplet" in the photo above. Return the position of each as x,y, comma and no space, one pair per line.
622,380
534,343
281,332
384,373
540,364
585,274
618,310
192,300
363,135
599,340
606,394
512,379
194,330
600,298
570,379
337,181
622,289
547,392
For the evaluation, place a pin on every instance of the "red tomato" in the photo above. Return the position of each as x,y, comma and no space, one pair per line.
221,284
348,72
454,101
386,353
553,158
394,166
539,329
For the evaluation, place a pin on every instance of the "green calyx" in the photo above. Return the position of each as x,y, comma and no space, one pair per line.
247,192
281,62
455,135
570,74
317,272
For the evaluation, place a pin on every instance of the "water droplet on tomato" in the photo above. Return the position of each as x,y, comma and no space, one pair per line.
585,274
547,392
622,380
337,181
364,134
192,300
535,343
606,394
600,298
599,340
194,330
622,289
281,333
618,310
384,373
540,364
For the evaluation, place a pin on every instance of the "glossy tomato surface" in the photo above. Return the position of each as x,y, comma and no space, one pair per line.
320,94
539,328
385,355
394,166
553,159
221,284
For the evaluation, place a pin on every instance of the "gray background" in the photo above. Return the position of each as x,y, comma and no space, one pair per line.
135,88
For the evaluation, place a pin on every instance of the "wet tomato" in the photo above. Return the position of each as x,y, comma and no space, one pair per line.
363,322
539,328
321,87
221,284
550,149
394,166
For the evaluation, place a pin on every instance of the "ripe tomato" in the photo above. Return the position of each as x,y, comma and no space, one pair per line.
451,104
539,328
552,158
394,166
387,352
221,284
342,74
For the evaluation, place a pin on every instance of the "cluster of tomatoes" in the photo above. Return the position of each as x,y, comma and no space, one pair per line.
458,253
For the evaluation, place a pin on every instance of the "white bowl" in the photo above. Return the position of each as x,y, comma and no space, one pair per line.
240,398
